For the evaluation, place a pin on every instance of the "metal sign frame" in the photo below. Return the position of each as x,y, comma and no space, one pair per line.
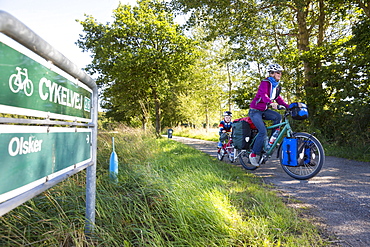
17,31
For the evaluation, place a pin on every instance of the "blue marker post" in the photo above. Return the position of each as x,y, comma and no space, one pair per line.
169,133
113,165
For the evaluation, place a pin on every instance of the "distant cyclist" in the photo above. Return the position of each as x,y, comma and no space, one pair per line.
225,126
268,92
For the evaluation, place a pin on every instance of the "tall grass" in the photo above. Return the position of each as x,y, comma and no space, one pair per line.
210,135
357,152
168,194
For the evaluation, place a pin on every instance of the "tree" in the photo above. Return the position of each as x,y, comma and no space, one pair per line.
346,75
322,44
290,32
199,104
139,59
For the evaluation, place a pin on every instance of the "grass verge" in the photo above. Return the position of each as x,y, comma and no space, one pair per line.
168,194
210,135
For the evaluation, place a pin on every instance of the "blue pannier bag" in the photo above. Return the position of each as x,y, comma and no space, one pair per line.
299,111
307,152
290,151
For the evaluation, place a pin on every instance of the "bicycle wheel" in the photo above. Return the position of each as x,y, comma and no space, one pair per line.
14,85
28,88
220,154
311,157
230,155
244,160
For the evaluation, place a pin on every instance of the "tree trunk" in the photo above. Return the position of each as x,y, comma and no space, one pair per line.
365,6
143,124
303,40
145,115
230,86
303,47
207,120
157,106
320,38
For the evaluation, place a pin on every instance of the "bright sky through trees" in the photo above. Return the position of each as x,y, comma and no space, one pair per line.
54,21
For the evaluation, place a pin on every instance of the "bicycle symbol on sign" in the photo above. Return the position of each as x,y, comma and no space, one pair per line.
16,84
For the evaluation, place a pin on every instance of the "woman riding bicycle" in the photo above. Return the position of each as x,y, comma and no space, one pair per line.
268,91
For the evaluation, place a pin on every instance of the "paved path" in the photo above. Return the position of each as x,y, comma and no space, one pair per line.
339,196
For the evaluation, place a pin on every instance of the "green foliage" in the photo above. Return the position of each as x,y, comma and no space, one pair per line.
168,194
141,60
201,102
345,118
322,45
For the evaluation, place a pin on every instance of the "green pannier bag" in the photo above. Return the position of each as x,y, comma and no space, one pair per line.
241,133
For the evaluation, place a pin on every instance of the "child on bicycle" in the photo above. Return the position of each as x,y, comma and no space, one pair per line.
268,92
225,126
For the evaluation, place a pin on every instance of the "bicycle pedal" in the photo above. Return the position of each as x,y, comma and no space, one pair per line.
263,160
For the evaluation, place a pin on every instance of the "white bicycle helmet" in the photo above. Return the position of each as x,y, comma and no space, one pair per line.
228,113
274,67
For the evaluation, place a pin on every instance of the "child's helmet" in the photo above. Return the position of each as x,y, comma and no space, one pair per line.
274,67
228,113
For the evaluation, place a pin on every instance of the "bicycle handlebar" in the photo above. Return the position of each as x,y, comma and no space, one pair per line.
281,107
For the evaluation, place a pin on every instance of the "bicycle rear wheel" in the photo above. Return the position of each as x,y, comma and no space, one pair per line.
311,157
244,160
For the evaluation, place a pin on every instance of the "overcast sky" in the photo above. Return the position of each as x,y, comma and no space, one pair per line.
54,20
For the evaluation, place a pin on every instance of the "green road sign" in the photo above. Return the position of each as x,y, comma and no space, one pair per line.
35,85
29,153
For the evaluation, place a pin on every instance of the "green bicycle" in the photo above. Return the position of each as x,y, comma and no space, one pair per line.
310,156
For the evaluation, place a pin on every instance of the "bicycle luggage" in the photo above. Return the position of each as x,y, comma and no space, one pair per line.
299,111
290,151
241,133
